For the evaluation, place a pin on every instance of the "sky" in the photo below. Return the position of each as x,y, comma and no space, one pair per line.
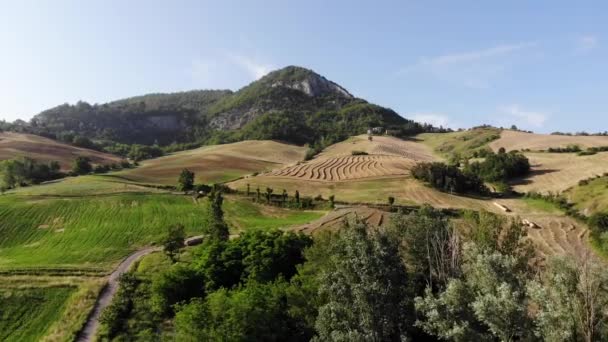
540,65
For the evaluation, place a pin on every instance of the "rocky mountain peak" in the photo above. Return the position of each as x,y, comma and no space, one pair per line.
306,81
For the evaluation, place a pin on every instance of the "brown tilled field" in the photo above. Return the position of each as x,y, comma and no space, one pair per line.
557,172
515,140
218,163
387,156
335,219
347,168
42,149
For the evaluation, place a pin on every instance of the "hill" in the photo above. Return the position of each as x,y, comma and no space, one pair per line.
13,145
292,104
218,163
517,140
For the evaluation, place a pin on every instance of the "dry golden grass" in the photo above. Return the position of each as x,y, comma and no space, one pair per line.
515,140
42,149
382,145
405,189
387,156
335,219
557,172
218,163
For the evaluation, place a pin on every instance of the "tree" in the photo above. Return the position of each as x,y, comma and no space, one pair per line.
186,180
256,312
177,284
571,301
82,166
430,248
365,287
332,201
598,224
217,229
488,303
297,196
268,194
173,241
391,201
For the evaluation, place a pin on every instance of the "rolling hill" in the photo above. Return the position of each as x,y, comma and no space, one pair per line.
42,149
517,140
218,163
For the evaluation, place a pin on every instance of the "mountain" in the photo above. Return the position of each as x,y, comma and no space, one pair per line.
293,104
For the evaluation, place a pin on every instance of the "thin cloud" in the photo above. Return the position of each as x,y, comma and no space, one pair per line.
474,69
531,117
255,69
586,43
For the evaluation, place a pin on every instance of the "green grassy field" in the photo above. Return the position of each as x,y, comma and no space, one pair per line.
97,231
27,314
591,197
461,143
541,205
242,214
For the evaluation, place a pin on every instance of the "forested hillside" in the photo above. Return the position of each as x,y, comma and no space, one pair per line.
293,104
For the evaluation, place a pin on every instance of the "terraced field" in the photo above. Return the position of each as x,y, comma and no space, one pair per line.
386,156
42,149
347,168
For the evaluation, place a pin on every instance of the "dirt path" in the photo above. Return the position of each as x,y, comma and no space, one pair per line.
89,330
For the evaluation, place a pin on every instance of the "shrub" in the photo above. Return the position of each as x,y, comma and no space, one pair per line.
448,178
359,153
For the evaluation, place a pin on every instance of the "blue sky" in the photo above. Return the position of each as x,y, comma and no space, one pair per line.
538,64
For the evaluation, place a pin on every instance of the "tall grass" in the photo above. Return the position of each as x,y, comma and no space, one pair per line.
27,314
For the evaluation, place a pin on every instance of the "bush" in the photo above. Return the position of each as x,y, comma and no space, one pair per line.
448,178
499,167
359,153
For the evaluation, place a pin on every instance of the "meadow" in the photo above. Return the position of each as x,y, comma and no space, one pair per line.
27,314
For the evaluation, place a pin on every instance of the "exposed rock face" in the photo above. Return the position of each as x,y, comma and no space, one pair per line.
314,85
165,122
234,119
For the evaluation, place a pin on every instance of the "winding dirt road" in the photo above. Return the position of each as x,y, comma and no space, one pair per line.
89,330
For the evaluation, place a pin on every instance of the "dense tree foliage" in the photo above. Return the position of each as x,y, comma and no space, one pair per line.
364,285
500,167
425,277
448,178
82,166
185,182
25,171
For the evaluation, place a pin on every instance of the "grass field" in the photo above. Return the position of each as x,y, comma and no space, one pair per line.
86,186
97,231
243,214
27,314
516,140
87,232
557,172
218,163
45,150
591,197
462,143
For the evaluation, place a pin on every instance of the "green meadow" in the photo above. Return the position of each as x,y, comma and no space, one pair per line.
27,314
